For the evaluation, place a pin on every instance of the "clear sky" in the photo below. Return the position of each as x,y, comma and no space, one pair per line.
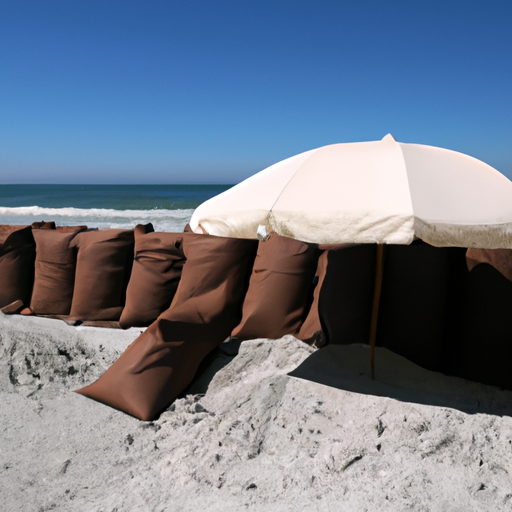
212,91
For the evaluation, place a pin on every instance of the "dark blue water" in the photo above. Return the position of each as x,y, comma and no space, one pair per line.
116,197
168,207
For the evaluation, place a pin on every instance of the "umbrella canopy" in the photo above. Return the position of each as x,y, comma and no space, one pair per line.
382,192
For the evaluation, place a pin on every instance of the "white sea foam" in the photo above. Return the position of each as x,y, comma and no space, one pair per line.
162,220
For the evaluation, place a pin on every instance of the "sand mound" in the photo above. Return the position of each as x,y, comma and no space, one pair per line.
324,438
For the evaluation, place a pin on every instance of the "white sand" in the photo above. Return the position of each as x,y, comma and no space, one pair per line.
259,440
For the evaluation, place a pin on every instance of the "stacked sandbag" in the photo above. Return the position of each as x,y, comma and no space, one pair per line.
159,364
103,265
481,328
54,275
43,225
17,255
311,331
156,272
345,297
418,292
280,289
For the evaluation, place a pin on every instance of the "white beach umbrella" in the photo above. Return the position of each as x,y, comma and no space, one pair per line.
381,192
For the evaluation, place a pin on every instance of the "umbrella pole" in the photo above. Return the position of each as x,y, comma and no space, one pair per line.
375,307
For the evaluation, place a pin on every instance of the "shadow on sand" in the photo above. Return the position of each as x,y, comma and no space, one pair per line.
210,365
347,367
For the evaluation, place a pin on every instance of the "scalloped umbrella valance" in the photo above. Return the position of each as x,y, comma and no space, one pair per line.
383,192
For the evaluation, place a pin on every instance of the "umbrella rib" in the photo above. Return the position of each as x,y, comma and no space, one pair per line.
286,186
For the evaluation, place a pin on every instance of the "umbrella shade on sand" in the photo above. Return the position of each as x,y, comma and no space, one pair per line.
380,192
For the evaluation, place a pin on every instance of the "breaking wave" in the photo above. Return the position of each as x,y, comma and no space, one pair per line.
162,220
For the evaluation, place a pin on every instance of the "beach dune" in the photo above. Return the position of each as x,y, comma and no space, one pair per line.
281,427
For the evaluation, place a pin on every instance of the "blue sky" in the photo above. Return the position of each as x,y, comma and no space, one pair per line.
204,91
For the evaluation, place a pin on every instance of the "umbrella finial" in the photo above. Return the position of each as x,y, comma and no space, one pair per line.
389,138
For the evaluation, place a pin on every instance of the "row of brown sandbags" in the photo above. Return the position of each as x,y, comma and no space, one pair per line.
18,261
131,276
228,286
432,311
64,271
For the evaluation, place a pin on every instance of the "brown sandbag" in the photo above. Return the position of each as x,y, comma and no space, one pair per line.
500,259
54,270
13,308
279,287
413,314
17,255
163,360
43,225
345,298
482,328
311,330
156,272
103,266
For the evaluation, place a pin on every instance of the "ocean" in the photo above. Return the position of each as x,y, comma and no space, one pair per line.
167,207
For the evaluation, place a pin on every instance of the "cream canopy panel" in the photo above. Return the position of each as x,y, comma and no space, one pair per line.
381,192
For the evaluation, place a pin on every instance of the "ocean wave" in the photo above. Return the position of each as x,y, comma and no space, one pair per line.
162,220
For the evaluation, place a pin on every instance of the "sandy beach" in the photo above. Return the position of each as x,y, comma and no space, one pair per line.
281,427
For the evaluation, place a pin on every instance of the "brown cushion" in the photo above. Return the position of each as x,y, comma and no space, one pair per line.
43,225
103,266
156,272
213,283
413,312
54,270
13,308
17,255
482,328
311,330
7,229
345,300
163,360
280,284
500,259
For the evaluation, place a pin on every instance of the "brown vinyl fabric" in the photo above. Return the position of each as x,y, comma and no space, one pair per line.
280,284
70,229
54,271
13,308
163,360
345,298
311,330
103,266
17,255
414,306
500,259
213,283
156,272
43,225
420,284
7,229
481,328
